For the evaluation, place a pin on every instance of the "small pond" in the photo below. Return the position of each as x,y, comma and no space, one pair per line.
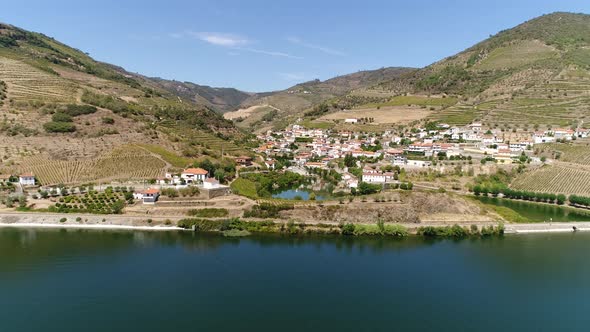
294,193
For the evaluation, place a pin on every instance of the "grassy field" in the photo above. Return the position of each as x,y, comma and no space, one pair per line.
555,179
245,188
169,156
516,55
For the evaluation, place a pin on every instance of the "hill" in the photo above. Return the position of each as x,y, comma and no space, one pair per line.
280,107
221,100
61,108
538,71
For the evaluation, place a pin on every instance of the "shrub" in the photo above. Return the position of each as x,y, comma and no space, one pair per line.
108,120
59,127
61,117
62,220
348,229
209,213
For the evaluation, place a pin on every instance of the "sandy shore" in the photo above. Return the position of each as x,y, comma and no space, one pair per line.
85,221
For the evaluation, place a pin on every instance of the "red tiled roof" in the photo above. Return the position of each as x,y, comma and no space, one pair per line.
195,171
151,191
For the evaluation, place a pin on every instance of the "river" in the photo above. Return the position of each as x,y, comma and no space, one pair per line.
89,280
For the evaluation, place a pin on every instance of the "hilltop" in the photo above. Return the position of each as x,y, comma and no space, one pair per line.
64,111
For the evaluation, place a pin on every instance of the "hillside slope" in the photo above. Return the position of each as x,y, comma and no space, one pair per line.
538,71
219,99
58,104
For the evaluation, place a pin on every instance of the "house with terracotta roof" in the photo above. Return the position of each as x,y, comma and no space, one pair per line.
194,175
244,161
149,196
27,179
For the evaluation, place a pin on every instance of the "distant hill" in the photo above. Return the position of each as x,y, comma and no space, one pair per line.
59,104
290,103
219,99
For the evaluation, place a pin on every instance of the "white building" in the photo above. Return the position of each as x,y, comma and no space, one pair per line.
193,175
27,179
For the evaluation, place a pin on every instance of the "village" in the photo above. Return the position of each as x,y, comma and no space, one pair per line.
414,149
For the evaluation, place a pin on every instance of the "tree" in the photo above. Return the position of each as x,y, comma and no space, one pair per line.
349,160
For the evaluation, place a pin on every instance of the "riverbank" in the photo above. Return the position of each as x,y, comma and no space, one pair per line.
83,226
554,227
130,222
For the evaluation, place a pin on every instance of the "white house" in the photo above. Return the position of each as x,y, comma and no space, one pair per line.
149,196
352,120
27,179
192,175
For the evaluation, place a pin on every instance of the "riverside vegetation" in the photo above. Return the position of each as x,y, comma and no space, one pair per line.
237,227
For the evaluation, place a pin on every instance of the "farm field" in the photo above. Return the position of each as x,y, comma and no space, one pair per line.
390,114
577,153
124,163
516,55
562,101
415,101
557,179
26,83
456,116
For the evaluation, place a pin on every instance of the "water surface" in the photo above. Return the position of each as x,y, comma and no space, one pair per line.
293,193
57,280
539,212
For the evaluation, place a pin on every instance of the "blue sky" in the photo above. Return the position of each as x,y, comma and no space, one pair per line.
271,45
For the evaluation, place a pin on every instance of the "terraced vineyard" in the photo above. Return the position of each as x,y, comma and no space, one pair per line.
125,163
457,116
216,144
555,179
562,101
25,82
577,153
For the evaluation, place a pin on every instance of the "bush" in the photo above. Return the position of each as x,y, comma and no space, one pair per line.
209,213
61,117
59,127
108,120
62,220
348,229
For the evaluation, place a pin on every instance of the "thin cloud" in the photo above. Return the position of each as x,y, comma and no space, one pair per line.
327,50
231,41
220,39
271,53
